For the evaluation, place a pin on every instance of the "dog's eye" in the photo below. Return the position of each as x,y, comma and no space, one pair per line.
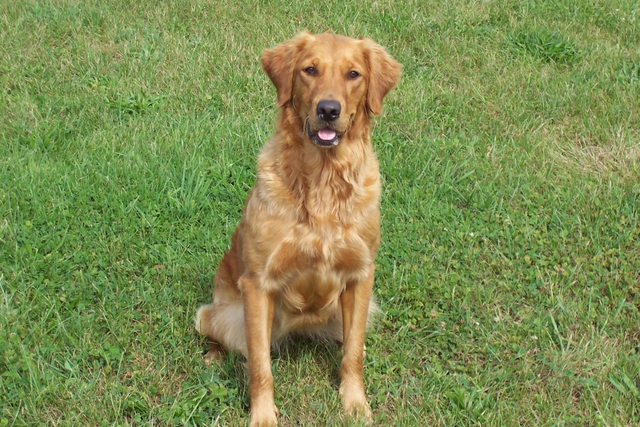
353,74
311,71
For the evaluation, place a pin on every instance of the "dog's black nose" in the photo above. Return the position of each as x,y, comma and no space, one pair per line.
328,110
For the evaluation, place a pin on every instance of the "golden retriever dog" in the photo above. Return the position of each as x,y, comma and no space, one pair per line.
302,259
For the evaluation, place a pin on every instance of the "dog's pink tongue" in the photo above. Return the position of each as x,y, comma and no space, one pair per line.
327,134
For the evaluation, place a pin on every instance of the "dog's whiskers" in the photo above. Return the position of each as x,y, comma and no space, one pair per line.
304,125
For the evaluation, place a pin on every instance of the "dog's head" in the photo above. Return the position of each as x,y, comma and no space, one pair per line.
330,80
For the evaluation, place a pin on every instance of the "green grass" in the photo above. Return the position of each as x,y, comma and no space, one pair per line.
509,271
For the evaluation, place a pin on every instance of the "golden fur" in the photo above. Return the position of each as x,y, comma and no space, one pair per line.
302,259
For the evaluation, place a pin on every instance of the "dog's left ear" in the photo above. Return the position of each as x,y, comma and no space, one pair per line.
279,64
384,73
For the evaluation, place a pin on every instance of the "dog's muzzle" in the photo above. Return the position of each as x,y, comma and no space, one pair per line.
325,137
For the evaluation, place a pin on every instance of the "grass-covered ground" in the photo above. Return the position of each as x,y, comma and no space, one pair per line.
509,270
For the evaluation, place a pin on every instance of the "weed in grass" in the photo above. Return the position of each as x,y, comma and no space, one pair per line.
549,46
133,104
629,72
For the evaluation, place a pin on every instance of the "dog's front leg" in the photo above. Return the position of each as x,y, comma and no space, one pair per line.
355,308
258,315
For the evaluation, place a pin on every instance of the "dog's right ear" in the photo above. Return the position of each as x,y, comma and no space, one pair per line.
279,64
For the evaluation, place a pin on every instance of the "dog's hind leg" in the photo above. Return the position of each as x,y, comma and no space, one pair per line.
203,324
223,324
223,320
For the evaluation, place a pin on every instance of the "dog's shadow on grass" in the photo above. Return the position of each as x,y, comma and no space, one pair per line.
312,358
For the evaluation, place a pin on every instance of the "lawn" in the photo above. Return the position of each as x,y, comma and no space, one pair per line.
509,270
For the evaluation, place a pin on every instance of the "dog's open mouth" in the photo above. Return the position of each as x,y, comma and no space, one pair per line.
325,137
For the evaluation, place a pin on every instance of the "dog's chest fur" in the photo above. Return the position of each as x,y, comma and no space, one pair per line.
314,240
310,287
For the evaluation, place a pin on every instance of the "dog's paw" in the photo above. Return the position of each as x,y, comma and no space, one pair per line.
214,355
264,416
360,410
355,404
